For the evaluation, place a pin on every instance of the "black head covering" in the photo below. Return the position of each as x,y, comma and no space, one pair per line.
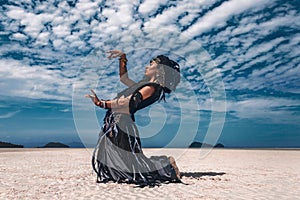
164,60
169,73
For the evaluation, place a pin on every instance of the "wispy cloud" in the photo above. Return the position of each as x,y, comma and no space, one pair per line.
219,16
267,110
9,115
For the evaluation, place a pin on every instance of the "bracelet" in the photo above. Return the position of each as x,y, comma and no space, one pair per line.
102,104
123,57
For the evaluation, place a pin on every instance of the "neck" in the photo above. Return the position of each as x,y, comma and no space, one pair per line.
152,79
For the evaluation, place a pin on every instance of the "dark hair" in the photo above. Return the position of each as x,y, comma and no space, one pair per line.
168,73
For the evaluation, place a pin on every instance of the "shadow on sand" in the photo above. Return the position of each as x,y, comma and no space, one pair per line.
200,174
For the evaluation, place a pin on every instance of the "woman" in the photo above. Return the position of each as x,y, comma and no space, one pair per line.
118,155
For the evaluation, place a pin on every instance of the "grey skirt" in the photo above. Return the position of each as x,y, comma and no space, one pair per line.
118,155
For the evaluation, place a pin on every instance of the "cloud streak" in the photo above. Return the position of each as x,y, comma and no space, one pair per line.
9,115
219,16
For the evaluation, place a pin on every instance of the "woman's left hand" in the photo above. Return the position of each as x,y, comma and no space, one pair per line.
114,53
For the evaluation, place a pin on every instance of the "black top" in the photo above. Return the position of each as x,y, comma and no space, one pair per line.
136,101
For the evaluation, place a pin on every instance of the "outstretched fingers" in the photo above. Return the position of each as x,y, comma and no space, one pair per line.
111,53
89,96
93,95
114,53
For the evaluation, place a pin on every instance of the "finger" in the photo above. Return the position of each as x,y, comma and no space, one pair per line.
110,56
94,93
111,51
89,96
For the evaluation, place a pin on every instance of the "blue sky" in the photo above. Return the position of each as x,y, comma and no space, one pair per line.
239,61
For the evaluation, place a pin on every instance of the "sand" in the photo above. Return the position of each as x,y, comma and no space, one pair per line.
222,174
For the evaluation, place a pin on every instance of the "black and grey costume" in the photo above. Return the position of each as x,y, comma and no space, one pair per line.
118,155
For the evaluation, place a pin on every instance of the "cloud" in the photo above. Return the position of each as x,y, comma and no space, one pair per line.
257,47
268,110
61,31
9,115
31,82
65,110
149,5
219,16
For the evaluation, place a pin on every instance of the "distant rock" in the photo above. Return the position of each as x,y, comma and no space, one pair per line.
219,145
200,144
55,145
205,145
195,145
10,145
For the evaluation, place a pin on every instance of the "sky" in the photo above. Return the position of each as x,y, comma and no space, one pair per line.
239,59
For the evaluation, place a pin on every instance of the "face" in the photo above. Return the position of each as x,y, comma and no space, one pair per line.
151,69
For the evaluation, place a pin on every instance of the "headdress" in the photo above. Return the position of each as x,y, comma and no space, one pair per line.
168,73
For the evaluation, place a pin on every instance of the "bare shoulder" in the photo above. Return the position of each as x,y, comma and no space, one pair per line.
147,91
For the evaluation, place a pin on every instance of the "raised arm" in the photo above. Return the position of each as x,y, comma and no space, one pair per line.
124,78
123,71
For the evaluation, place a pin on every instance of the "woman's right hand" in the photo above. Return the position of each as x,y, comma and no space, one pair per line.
93,97
114,54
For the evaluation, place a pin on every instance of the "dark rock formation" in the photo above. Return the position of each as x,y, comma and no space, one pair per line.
55,145
205,145
10,145
219,145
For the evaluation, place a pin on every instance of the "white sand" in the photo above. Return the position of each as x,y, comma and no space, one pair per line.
222,174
